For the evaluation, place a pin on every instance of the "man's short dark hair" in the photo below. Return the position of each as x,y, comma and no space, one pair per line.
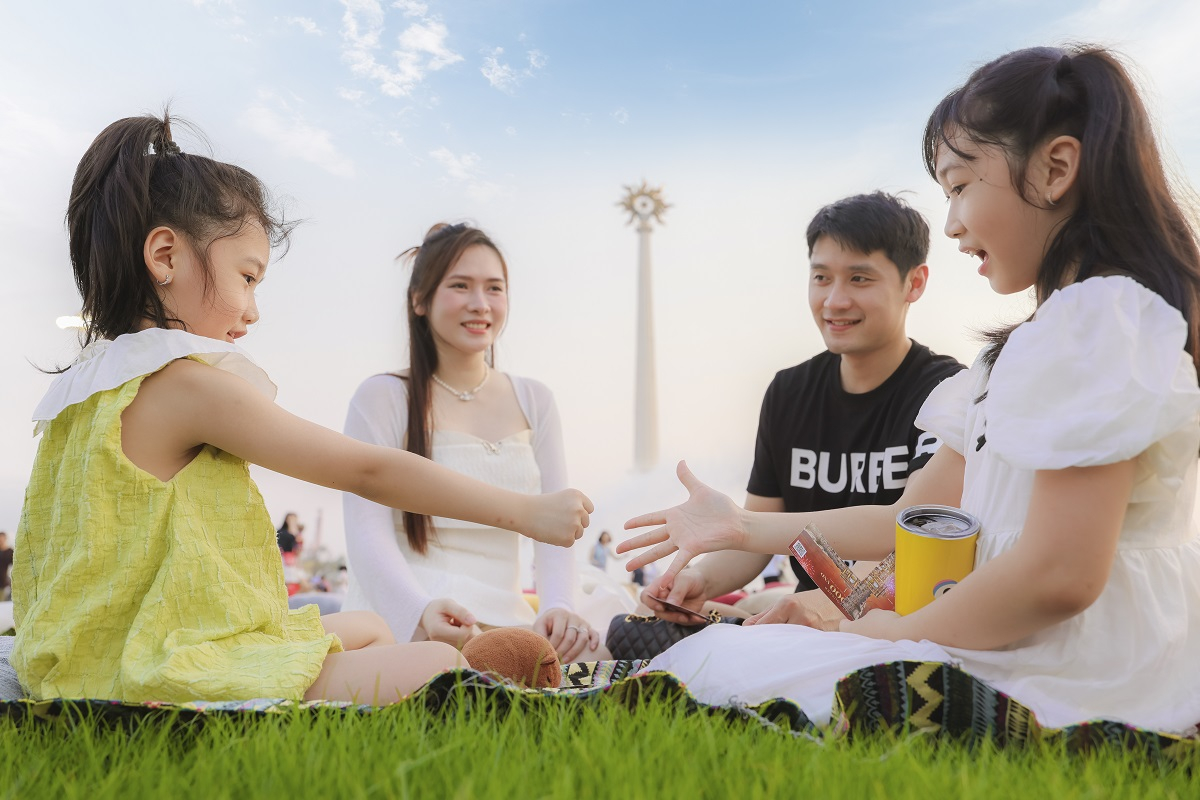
875,221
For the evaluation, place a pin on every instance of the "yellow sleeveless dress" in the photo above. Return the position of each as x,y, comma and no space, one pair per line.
130,588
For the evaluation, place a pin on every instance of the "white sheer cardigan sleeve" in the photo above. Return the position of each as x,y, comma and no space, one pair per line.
378,414
554,567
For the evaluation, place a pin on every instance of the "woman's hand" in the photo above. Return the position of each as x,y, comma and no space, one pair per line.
568,633
707,522
444,620
877,624
558,518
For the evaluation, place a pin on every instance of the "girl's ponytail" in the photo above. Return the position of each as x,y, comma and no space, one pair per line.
108,217
133,178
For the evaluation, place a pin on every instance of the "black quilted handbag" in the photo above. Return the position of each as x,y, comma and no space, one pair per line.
631,636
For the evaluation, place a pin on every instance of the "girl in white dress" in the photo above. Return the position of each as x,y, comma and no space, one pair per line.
1073,438
436,578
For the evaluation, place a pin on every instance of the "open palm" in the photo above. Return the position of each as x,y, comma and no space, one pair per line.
706,522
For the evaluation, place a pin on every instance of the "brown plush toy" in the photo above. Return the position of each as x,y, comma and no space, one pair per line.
518,654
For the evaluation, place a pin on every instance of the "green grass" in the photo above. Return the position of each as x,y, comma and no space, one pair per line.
552,751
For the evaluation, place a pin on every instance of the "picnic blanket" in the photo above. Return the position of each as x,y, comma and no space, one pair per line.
927,697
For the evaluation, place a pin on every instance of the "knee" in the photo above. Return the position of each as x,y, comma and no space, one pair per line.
378,630
447,656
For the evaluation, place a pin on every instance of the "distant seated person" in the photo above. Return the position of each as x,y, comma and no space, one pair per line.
289,538
836,430
602,551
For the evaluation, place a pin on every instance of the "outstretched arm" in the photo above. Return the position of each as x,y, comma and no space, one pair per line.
188,404
709,521
1055,570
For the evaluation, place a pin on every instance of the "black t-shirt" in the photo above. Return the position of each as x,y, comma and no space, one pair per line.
820,447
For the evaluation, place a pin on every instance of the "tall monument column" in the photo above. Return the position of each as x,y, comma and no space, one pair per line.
644,203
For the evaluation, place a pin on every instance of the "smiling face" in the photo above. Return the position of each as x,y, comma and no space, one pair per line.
470,305
990,219
217,302
858,300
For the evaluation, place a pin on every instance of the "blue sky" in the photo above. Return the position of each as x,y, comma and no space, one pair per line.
373,120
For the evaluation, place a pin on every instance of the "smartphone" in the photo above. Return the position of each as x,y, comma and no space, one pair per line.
696,615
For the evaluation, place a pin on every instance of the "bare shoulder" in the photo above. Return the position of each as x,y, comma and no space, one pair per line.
158,428
176,399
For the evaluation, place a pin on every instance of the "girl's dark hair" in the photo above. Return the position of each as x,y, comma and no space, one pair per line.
444,244
1127,220
132,179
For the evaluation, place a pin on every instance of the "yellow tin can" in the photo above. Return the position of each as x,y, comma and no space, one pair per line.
935,549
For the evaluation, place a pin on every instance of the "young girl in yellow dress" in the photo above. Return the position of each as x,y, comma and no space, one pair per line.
148,568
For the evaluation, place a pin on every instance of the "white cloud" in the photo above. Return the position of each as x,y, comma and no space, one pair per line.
464,169
621,116
499,76
226,12
505,77
510,130
412,8
460,168
352,95
422,47
584,117
305,24
295,138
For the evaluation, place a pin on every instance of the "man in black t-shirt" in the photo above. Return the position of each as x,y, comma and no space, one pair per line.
837,430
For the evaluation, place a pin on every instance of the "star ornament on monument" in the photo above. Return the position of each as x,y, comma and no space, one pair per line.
642,203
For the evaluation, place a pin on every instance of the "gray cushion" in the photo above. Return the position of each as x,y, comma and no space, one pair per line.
10,687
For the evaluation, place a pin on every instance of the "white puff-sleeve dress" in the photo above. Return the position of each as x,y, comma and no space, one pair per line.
1098,376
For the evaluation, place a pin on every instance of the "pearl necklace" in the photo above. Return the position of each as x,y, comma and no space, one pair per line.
470,393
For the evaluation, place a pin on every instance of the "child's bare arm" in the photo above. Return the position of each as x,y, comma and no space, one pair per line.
1055,570
187,404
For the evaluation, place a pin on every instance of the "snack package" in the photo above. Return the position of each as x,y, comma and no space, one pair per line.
854,596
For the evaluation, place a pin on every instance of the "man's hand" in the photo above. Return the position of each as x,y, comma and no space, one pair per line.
688,590
707,522
811,608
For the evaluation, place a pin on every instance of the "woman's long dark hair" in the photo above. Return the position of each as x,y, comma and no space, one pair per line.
132,179
1127,220
443,246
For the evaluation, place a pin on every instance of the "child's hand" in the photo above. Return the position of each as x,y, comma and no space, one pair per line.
559,518
709,521
444,620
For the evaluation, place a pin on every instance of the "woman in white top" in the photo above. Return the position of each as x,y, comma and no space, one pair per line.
442,579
